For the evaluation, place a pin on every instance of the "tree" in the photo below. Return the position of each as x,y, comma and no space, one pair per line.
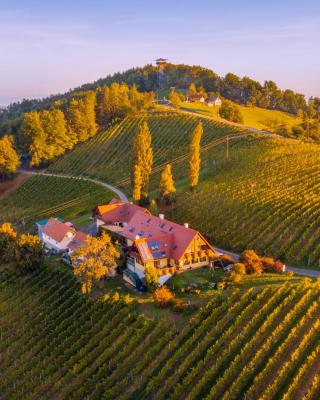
143,157
175,99
9,159
7,243
56,133
230,111
30,255
195,160
163,296
152,275
192,89
137,183
35,138
81,115
94,260
167,187
239,268
251,261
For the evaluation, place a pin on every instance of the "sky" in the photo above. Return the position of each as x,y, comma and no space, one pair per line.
49,47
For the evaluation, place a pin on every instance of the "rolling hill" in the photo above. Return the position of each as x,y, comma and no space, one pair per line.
57,344
264,197
109,155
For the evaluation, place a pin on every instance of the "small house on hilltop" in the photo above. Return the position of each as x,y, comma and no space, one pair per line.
58,236
214,101
153,240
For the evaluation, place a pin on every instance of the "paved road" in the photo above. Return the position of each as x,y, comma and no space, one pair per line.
115,190
123,197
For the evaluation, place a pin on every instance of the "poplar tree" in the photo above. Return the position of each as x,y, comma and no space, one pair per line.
167,187
195,160
137,182
143,157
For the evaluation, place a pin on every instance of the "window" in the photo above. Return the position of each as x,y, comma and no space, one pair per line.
171,228
131,229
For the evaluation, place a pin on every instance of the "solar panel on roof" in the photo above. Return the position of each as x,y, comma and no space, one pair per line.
158,255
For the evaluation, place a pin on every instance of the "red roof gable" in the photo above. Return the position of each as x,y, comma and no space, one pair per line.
78,240
57,230
167,238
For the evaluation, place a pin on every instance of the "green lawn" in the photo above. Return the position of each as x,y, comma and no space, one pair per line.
255,117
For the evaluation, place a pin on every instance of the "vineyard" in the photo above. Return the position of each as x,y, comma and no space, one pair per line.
265,198
108,156
57,344
42,196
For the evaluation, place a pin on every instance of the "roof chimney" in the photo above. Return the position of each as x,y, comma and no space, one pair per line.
161,216
137,237
186,225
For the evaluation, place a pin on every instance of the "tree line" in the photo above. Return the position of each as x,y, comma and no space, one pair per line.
41,136
143,163
240,90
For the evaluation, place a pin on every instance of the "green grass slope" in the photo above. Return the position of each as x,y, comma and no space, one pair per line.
43,196
255,117
266,198
57,344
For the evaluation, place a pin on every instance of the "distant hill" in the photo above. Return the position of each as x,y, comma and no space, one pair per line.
240,90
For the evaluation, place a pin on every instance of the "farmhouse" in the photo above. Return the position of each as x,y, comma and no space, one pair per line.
153,240
214,101
58,236
196,97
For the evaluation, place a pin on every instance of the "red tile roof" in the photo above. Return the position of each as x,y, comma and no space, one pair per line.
57,230
148,231
78,241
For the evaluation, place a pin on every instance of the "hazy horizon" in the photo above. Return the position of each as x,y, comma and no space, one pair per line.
51,48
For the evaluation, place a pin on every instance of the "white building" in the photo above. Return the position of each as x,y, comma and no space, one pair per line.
214,101
60,237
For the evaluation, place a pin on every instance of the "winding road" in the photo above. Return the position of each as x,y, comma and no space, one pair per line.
301,271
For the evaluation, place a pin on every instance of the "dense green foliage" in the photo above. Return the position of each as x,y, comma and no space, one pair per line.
231,112
44,135
264,198
9,159
241,90
43,196
56,343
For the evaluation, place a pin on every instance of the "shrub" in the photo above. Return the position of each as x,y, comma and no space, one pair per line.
278,266
230,111
252,262
152,275
233,277
239,268
163,296
267,264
